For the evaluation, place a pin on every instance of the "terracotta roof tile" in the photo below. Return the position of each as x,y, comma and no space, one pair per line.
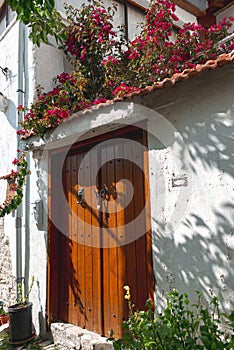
188,73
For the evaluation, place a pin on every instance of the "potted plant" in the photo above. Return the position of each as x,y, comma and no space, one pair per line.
4,318
20,314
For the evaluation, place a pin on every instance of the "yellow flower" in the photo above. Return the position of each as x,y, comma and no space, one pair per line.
127,295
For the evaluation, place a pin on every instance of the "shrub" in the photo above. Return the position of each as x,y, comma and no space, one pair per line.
90,39
179,326
153,55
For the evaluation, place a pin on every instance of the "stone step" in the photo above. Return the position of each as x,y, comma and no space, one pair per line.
76,338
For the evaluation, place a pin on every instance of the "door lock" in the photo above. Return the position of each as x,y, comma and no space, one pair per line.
104,192
102,195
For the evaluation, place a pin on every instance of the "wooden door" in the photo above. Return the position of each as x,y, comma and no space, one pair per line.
102,250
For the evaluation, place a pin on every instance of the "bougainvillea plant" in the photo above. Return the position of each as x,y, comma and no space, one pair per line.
90,39
156,53
106,66
51,108
16,180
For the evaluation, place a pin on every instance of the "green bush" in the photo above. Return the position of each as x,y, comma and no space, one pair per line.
180,326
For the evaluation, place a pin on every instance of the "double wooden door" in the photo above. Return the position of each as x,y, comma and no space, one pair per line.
105,240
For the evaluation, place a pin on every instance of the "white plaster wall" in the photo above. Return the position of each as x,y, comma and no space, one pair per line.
50,62
226,12
38,253
8,143
184,16
135,16
192,224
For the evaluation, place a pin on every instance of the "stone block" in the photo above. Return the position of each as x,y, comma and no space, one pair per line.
77,338
89,340
58,331
103,345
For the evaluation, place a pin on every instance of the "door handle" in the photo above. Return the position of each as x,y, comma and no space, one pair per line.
80,196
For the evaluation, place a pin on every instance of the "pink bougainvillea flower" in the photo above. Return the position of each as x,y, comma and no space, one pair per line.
99,100
15,161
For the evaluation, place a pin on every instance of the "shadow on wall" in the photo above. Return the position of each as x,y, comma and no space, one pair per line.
211,141
198,254
11,115
201,259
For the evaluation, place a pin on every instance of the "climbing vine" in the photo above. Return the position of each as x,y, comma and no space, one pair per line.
16,180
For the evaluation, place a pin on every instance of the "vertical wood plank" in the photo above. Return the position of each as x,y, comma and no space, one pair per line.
88,253
74,283
121,192
81,248
111,225
149,257
105,280
53,248
64,258
96,252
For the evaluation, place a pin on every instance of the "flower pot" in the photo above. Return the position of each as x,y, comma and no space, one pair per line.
3,319
21,328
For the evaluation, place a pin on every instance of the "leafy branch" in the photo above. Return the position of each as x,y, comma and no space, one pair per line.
42,17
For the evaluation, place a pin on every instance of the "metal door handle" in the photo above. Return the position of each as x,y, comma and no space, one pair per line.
80,196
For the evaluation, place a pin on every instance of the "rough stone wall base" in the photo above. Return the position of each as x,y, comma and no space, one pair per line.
78,338
7,280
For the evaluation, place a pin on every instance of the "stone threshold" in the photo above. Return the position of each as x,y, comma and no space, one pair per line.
74,337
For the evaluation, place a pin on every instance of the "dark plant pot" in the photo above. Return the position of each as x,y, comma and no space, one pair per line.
3,319
21,329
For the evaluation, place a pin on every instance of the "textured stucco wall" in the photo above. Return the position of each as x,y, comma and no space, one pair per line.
192,187
8,146
7,280
227,12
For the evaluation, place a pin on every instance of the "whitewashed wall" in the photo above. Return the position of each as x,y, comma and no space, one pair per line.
8,146
192,187
226,12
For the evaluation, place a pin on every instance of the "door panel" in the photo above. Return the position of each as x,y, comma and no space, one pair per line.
91,277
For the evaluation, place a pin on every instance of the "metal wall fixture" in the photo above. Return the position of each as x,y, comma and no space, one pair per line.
5,71
3,103
38,212
3,99
80,196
